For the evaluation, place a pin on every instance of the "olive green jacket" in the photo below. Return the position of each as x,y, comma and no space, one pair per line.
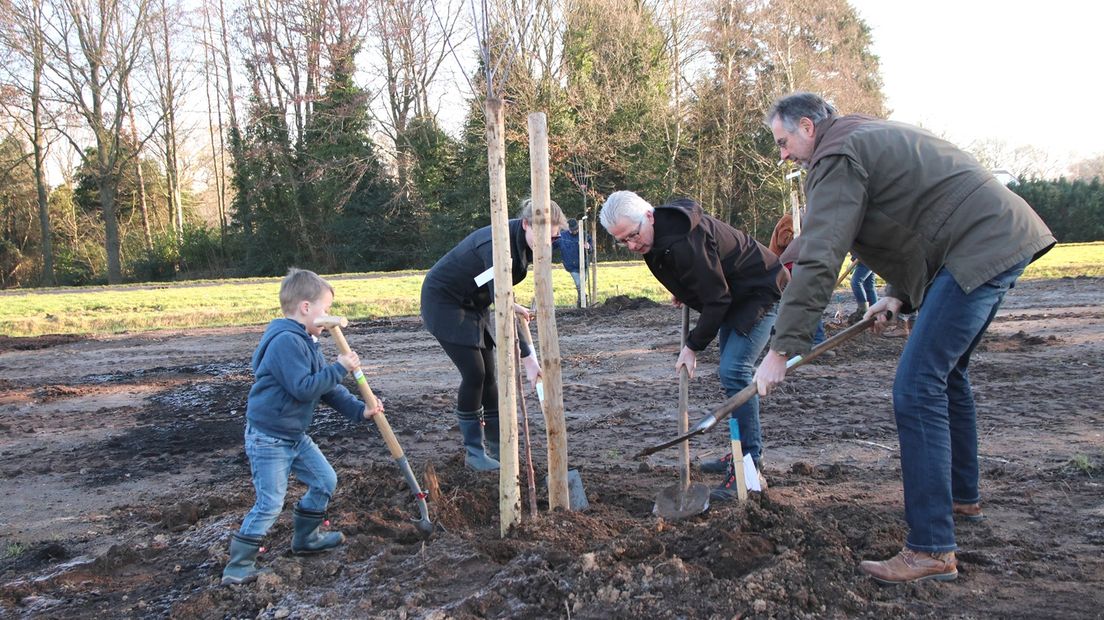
907,204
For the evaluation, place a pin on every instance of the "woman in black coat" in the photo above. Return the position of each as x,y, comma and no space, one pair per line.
455,309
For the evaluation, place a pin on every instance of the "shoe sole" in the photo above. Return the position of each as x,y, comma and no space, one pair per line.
936,577
235,581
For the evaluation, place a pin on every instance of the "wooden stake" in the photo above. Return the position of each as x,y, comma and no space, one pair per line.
593,280
583,263
795,206
509,489
546,315
684,406
737,459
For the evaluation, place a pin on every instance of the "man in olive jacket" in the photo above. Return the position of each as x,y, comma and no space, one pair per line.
723,273
949,239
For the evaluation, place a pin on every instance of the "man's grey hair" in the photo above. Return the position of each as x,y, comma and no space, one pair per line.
623,205
795,106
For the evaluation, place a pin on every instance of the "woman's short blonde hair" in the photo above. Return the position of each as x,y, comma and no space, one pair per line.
555,213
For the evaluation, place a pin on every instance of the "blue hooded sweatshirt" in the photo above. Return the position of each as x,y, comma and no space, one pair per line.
291,377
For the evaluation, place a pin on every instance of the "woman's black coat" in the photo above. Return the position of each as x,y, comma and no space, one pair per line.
454,309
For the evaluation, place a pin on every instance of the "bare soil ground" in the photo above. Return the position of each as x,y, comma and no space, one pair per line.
123,474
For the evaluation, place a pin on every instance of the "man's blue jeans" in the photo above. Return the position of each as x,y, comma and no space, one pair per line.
862,285
272,459
737,367
934,406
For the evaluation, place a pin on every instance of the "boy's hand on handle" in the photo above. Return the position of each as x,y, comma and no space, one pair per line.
522,312
368,413
350,361
887,309
689,358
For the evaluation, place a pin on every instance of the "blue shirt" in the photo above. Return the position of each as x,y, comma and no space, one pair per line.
569,250
291,376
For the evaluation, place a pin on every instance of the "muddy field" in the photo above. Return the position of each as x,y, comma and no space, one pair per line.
123,474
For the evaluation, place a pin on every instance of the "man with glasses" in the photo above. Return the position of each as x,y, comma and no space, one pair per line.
942,231
731,279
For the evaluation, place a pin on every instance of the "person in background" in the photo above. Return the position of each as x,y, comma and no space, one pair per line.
946,237
862,287
568,244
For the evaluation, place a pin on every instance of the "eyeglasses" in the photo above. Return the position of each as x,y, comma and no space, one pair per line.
627,239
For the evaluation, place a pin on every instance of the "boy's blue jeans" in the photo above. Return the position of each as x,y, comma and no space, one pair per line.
934,406
862,285
737,367
272,459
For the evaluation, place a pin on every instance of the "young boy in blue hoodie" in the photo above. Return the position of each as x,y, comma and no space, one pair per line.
291,376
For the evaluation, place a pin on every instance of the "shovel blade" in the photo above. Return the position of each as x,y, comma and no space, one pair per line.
677,502
576,494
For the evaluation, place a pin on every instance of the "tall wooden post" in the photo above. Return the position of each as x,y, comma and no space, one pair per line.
584,264
795,207
593,280
546,314
795,201
509,489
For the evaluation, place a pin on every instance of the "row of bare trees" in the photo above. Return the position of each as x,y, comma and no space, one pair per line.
70,80
159,138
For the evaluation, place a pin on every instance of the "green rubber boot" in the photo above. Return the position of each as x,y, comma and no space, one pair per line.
307,539
490,433
242,567
471,429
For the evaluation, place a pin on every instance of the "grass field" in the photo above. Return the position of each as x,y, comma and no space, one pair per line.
99,310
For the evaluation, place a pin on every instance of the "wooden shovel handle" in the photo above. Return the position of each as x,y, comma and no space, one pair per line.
369,397
684,404
746,394
843,276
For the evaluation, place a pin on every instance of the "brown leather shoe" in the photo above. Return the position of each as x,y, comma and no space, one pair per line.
968,512
909,565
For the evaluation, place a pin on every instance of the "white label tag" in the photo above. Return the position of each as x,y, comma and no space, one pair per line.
484,277
540,391
751,477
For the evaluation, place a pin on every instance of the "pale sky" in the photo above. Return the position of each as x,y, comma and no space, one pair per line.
1026,73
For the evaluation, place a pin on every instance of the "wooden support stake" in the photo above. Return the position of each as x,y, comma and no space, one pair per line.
795,206
583,264
509,488
546,314
593,280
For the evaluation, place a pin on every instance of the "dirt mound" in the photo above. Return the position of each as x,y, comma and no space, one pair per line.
34,343
1020,341
621,303
760,557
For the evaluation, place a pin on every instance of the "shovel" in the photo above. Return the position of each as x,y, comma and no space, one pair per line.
683,499
744,395
576,494
531,475
424,525
847,272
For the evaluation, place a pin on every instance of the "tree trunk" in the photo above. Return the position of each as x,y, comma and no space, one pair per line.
142,206
40,158
105,182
